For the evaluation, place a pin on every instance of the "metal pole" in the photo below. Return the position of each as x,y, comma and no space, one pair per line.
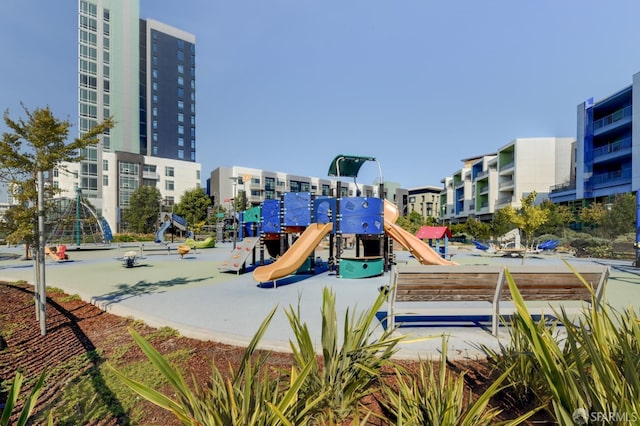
235,229
41,242
78,227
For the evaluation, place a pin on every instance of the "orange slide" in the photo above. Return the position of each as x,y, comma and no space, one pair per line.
295,256
418,248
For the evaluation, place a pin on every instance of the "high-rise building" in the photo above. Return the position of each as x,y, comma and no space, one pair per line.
142,73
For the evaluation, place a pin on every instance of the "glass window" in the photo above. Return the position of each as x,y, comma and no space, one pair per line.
180,141
181,154
154,73
181,130
105,180
180,117
180,69
168,171
168,185
180,81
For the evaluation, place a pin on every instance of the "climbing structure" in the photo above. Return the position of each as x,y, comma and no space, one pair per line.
75,222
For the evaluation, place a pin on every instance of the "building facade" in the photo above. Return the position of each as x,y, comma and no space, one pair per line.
605,152
141,73
424,200
490,182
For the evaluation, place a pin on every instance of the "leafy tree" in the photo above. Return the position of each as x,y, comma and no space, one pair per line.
593,216
37,144
193,206
559,217
621,217
528,217
144,206
411,223
501,222
477,229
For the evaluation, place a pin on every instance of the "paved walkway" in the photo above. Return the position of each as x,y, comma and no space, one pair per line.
194,297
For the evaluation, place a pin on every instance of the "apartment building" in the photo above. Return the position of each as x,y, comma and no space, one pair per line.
141,72
226,183
490,182
424,200
604,152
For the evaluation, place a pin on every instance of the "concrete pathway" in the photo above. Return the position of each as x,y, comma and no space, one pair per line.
192,296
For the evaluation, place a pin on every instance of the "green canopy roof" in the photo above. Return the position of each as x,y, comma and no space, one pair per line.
347,165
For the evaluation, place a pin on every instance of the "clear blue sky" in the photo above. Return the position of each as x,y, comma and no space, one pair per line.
287,85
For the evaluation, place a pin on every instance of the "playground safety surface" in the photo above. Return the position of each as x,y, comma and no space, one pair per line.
192,296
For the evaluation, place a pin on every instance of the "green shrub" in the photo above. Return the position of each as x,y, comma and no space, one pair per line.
437,397
595,369
349,370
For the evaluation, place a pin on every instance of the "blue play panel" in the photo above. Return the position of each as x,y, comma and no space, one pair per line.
362,215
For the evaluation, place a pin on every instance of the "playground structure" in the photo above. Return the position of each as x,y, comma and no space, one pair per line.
74,222
130,259
437,237
59,253
311,219
183,249
171,219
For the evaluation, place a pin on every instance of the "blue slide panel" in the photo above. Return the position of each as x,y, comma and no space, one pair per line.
297,209
271,216
362,215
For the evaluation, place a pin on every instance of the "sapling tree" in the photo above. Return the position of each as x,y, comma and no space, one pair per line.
31,147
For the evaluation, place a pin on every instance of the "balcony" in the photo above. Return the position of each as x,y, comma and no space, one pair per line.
505,199
610,178
507,166
616,149
505,184
150,175
482,174
602,124
567,186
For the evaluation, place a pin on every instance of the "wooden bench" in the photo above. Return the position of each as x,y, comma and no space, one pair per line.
487,283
